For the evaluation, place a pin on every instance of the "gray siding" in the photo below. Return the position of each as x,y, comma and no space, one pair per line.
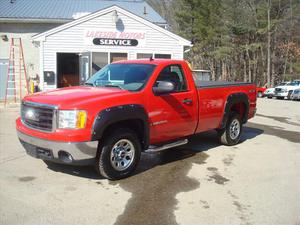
24,31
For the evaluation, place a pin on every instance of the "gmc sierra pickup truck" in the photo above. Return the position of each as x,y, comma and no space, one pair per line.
129,107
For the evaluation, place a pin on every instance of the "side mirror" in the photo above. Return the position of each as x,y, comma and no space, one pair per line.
163,87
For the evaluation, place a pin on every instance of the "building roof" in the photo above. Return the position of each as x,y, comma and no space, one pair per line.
42,36
60,10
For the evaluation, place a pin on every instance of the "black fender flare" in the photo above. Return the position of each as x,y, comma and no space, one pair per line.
233,99
121,113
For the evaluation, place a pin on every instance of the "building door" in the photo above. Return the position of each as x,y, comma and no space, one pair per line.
3,77
67,69
84,67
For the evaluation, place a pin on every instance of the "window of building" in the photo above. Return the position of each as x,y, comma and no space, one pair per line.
162,56
144,55
99,60
174,74
117,56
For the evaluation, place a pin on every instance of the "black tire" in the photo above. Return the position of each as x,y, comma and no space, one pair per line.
270,97
289,95
225,136
280,98
104,163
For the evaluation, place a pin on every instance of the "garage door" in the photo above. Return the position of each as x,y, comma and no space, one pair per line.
3,77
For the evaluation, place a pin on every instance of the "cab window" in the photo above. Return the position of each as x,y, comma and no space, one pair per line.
174,74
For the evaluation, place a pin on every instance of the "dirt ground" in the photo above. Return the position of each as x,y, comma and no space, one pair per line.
254,182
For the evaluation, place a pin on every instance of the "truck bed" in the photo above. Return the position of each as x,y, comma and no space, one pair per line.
214,84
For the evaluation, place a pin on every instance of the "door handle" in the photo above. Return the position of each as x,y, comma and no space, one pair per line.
187,101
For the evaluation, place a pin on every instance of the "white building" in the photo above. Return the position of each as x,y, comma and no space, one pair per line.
70,52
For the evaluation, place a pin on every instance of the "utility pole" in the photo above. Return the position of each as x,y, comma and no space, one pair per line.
269,47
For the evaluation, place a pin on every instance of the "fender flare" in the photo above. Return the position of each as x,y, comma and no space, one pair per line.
233,99
121,113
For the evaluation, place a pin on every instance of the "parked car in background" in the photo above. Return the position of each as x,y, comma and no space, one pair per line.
284,83
260,91
296,94
282,92
269,93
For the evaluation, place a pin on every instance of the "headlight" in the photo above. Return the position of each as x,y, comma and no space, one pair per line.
72,119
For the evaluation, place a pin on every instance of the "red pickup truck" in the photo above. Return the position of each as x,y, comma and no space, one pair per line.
129,107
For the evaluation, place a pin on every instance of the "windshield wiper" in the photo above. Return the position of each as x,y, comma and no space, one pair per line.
113,85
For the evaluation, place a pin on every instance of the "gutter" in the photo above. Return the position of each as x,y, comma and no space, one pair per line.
30,20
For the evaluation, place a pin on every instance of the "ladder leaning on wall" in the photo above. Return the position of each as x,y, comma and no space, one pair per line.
16,72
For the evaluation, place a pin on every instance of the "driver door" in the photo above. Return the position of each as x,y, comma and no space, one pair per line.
173,115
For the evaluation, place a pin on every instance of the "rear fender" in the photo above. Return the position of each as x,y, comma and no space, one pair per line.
232,100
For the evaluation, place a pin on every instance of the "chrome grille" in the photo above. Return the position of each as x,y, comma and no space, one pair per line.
38,116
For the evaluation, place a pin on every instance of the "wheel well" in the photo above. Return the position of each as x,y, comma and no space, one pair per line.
239,108
135,125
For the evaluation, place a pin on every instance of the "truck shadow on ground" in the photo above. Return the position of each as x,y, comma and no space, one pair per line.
197,144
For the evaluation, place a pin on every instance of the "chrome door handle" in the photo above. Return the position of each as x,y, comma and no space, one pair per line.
187,101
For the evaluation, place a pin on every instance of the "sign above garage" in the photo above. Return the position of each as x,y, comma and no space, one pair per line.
114,38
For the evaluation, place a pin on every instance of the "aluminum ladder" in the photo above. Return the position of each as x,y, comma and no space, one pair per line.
16,71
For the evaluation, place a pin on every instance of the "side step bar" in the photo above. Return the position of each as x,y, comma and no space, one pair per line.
153,149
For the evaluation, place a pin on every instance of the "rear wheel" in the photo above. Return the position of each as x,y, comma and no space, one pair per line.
231,134
119,154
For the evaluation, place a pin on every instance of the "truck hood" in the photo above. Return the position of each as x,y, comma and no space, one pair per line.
73,97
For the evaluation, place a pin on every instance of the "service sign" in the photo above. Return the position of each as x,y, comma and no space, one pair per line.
115,42
114,38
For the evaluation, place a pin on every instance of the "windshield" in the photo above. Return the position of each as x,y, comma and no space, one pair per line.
131,77
295,83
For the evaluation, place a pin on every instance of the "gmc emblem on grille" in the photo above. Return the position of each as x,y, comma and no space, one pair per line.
30,115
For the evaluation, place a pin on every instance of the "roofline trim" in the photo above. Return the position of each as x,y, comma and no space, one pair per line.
26,20
85,18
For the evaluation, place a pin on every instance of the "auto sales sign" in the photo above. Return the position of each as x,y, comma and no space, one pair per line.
114,38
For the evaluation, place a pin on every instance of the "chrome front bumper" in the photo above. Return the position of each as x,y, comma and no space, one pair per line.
77,153
281,94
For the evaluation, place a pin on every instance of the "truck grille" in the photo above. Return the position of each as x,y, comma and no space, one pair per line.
38,116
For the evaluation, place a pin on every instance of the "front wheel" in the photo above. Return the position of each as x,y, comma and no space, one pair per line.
119,154
231,134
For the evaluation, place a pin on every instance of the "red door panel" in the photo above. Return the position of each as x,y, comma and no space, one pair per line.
173,115
171,118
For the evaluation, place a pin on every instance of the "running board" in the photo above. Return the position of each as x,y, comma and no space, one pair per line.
153,149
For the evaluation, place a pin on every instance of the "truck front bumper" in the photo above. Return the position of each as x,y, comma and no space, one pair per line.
281,94
74,153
